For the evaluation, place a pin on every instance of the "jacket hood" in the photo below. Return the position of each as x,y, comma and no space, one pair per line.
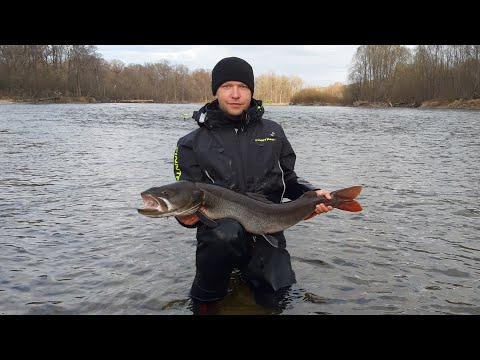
211,116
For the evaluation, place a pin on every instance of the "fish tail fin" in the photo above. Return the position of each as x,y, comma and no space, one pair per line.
348,193
344,198
353,206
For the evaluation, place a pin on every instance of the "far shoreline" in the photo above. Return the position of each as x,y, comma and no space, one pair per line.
473,104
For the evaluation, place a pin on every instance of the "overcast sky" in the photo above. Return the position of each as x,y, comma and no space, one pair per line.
317,65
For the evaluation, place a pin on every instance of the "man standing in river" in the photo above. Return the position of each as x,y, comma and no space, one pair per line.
236,148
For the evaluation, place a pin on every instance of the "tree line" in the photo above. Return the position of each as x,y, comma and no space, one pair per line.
378,73
43,71
397,74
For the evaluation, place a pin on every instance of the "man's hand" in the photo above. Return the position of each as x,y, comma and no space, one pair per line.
321,208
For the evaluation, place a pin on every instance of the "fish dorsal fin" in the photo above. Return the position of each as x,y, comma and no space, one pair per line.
205,219
272,240
259,197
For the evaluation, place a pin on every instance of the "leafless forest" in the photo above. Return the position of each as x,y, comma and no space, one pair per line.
392,74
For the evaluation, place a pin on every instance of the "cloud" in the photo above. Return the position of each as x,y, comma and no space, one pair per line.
317,65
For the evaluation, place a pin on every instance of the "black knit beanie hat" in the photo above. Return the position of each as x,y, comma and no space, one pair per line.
232,69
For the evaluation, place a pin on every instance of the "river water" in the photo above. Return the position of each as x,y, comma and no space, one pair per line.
72,242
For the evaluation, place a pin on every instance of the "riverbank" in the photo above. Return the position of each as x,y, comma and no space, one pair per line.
50,100
473,104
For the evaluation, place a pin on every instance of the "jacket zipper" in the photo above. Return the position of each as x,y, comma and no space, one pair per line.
240,136
283,181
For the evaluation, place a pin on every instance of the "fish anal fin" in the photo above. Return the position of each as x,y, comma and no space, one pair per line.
310,216
205,219
272,240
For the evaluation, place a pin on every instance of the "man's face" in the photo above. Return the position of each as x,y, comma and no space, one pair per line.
234,97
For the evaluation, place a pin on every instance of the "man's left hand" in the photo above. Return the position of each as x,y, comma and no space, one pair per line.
321,208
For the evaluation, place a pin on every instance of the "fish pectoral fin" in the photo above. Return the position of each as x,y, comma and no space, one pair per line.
206,220
272,240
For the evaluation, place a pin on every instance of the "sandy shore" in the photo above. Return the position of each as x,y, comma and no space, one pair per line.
6,101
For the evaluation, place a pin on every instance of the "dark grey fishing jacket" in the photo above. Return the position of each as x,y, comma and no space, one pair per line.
251,154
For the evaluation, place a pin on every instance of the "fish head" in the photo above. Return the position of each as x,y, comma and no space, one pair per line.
178,198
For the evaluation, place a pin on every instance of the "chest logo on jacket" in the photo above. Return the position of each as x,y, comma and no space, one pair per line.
178,172
265,139
270,138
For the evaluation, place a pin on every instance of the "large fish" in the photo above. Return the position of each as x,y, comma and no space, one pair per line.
257,215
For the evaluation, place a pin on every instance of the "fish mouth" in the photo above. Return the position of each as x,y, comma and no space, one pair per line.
153,206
